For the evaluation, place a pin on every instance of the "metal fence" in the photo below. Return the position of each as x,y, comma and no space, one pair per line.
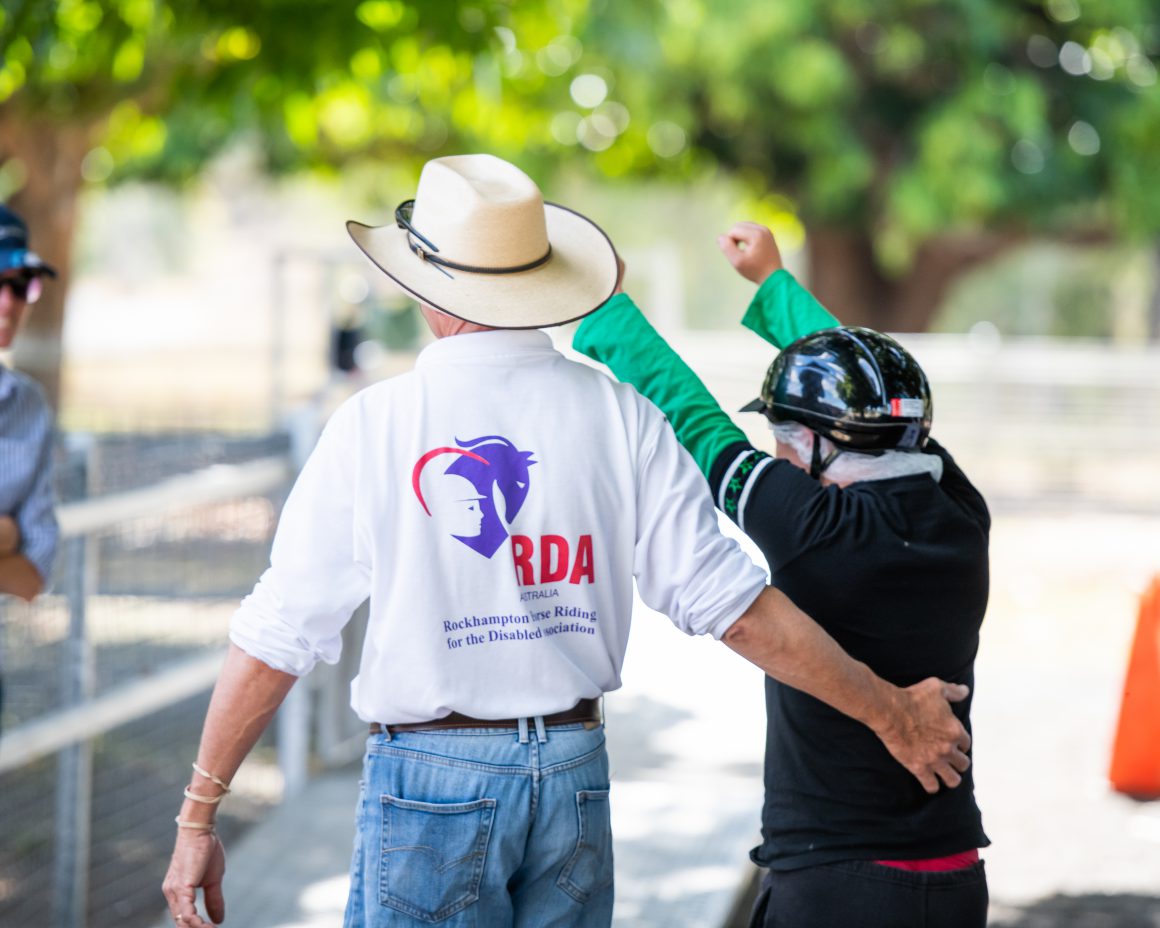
107,675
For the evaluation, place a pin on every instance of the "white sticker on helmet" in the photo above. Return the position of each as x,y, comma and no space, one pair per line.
907,407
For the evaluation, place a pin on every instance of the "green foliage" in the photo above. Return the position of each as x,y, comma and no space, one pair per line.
908,118
318,82
1056,290
904,117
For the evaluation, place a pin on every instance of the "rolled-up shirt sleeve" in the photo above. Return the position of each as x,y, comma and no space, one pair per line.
295,615
684,566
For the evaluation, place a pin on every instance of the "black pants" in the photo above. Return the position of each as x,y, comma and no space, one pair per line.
861,894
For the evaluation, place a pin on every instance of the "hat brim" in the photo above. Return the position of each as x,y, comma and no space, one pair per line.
576,280
23,259
753,406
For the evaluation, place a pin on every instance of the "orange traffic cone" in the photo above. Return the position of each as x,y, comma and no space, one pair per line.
1136,752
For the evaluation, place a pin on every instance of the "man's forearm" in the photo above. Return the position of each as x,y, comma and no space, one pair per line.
245,698
792,648
19,577
915,724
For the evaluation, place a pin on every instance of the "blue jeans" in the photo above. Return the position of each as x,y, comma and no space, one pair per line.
484,828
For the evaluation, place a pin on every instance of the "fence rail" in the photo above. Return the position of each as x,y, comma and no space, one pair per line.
211,485
1035,422
93,716
108,673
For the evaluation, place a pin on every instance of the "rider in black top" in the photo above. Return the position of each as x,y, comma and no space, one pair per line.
888,552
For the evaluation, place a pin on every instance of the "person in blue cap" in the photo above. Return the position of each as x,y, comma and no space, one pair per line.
28,530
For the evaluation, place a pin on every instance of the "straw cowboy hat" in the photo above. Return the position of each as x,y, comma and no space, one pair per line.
478,242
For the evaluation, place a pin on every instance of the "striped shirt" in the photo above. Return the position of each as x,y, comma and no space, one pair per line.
26,467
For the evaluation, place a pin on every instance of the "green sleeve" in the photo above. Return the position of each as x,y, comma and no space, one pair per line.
619,336
782,311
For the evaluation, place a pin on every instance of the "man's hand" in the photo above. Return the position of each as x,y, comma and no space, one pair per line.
915,724
19,577
924,736
199,860
9,536
751,250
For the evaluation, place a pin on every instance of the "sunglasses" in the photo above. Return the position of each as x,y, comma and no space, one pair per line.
403,213
23,288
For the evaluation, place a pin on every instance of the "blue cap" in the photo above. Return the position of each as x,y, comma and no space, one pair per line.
14,251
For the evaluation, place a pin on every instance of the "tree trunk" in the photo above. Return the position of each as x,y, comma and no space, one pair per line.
846,278
1154,307
50,155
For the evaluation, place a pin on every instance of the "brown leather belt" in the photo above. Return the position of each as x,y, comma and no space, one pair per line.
586,710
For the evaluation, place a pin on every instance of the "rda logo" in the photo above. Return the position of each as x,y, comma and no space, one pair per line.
462,497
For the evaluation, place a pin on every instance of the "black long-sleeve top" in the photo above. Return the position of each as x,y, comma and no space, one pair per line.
895,570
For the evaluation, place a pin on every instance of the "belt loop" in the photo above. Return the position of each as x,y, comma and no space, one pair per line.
541,731
523,730
387,733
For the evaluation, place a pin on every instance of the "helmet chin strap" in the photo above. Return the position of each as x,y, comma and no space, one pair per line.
818,465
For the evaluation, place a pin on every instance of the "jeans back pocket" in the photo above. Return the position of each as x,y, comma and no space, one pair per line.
589,869
433,855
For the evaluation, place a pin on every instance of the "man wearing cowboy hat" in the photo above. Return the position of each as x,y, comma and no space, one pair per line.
28,531
500,601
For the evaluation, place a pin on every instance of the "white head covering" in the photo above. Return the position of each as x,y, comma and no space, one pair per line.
851,466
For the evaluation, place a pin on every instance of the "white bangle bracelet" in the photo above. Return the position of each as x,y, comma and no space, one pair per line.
194,826
209,776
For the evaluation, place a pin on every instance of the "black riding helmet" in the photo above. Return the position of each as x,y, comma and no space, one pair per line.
857,387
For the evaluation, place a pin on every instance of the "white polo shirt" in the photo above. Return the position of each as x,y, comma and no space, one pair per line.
495,505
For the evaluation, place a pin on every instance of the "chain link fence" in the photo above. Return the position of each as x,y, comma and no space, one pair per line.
126,643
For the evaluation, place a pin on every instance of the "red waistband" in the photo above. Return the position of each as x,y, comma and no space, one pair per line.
935,864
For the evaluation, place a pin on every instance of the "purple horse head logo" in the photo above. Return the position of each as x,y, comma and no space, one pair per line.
463,497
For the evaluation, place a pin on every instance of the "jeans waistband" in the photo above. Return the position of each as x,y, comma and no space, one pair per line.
586,710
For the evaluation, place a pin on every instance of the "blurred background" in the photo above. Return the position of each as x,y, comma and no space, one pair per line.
981,177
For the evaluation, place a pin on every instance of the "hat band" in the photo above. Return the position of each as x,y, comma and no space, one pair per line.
402,213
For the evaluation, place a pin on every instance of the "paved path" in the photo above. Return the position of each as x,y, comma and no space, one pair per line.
1067,851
